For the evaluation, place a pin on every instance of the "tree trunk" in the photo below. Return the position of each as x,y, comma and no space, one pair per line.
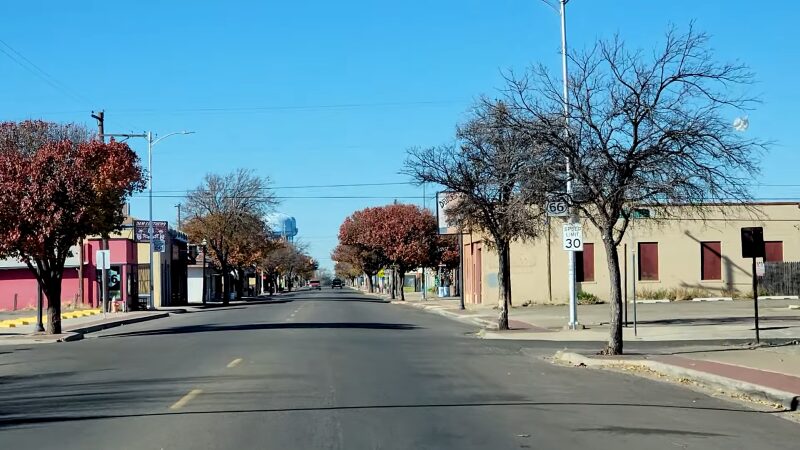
52,290
614,346
393,289
370,286
504,278
401,275
226,284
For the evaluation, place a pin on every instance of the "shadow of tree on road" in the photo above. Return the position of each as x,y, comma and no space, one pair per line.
31,420
205,328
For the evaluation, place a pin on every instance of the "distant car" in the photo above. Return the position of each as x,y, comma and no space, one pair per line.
314,284
336,283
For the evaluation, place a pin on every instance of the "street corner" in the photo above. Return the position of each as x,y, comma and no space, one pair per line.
776,390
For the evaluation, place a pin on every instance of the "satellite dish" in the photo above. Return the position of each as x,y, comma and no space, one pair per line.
741,123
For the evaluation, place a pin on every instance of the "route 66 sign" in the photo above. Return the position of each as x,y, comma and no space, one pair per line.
556,208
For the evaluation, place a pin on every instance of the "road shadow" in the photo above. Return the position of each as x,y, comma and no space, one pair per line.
215,308
206,328
648,431
22,420
339,298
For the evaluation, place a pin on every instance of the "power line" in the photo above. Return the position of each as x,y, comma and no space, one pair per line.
268,108
310,186
264,197
38,72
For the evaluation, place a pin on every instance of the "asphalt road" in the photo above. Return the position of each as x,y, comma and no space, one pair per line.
339,370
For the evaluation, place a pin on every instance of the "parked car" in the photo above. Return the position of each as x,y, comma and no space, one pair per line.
314,284
336,283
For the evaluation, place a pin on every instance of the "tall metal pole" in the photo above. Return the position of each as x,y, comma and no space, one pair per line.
423,267
461,270
755,300
204,275
151,302
104,299
573,298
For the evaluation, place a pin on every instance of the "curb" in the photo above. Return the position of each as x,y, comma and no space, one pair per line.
71,337
103,326
786,399
77,334
483,323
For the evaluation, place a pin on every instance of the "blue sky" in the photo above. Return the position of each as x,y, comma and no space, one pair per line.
320,93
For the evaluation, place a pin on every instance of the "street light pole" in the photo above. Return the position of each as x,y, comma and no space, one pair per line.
204,245
150,144
151,299
573,298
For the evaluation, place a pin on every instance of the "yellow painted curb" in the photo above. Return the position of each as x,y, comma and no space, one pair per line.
12,323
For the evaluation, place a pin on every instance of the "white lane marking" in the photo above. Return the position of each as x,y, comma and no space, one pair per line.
186,399
234,363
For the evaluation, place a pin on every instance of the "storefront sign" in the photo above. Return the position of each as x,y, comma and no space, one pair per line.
142,234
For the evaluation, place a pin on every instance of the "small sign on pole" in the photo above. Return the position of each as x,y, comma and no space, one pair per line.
556,208
158,245
103,258
761,268
573,237
753,247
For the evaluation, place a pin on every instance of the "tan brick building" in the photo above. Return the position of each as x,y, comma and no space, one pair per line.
685,254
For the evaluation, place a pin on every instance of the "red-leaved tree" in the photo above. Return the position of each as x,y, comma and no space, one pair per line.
358,246
54,191
398,235
407,235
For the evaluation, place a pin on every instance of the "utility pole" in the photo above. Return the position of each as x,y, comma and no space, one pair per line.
573,295
423,267
150,143
100,117
179,216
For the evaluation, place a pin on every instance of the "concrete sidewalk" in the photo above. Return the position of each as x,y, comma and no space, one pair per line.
74,329
674,321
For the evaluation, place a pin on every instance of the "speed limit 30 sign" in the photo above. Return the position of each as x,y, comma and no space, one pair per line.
573,237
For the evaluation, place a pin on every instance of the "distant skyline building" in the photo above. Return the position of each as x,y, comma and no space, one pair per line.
282,226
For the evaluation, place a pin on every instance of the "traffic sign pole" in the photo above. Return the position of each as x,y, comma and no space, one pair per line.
572,237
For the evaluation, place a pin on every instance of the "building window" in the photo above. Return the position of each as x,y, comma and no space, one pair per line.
584,263
773,251
648,261
711,260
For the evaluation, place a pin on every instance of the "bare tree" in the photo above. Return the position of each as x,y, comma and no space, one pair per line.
224,210
485,168
644,129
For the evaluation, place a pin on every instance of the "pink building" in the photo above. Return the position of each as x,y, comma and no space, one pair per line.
18,286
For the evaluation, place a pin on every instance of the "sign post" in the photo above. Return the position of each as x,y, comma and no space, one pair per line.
103,261
572,241
753,247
